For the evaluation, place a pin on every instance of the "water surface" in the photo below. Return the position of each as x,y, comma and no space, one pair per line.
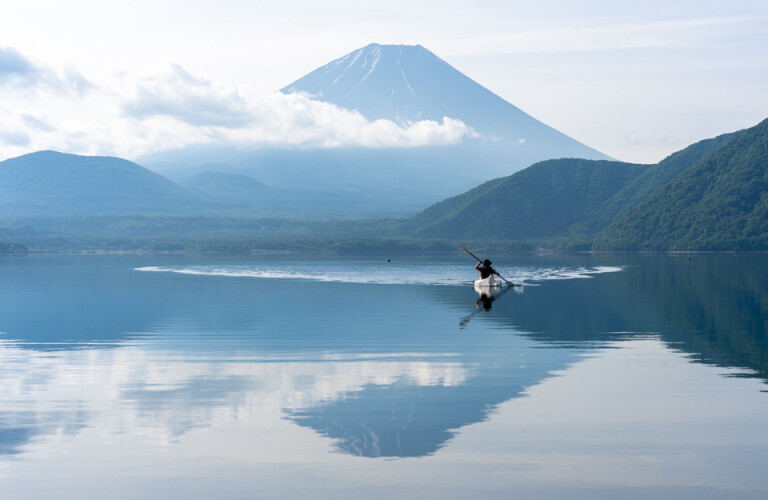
599,377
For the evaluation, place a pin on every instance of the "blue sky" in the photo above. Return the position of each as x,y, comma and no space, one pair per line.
635,80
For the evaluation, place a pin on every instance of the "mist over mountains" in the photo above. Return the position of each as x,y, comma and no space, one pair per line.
407,85
709,196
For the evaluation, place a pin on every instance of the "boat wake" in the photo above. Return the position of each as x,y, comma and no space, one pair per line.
381,274
569,273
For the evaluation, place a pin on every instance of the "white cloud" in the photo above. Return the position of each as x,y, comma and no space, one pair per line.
131,116
14,66
74,81
544,57
14,137
37,123
190,100
298,120
18,72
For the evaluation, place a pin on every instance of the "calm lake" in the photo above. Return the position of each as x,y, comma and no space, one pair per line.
217,378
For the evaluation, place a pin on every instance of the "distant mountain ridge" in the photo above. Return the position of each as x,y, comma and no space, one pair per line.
710,196
404,84
53,184
48,183
232,188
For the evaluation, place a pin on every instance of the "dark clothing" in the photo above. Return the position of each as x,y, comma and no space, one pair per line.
485,271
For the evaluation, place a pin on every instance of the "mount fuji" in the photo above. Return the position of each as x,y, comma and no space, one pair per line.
409,83
404,84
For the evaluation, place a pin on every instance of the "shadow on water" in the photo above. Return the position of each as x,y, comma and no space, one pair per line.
484,302
714,308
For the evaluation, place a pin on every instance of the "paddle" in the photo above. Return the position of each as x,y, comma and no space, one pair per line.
481,260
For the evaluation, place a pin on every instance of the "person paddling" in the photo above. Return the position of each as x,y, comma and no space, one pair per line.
486,269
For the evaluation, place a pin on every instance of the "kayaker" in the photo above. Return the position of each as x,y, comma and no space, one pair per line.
486,269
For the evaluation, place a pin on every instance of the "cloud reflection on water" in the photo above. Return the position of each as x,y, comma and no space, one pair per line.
221,383
129,389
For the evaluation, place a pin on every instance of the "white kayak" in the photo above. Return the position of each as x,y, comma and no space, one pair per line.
489,283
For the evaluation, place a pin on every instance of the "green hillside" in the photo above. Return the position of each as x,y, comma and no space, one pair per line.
548,199
708,196
720,203
650,181
48,183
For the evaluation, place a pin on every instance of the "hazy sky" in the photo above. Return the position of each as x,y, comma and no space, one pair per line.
635,80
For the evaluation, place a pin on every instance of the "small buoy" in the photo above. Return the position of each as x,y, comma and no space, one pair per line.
390,261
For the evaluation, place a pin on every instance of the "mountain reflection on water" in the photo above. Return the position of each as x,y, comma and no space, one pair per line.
381,370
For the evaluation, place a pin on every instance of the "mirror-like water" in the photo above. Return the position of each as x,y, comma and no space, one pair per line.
600,377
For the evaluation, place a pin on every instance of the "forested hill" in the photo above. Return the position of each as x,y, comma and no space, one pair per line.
545,200
49,183
653,179
720,203
709,196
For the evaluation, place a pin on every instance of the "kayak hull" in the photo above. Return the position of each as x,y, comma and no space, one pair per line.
489,283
